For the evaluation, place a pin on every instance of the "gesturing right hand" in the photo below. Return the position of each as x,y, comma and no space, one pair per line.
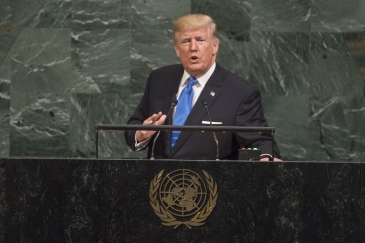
155,119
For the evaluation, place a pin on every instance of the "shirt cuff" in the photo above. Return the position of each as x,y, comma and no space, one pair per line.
140,145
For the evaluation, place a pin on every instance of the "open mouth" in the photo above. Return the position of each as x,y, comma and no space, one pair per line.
194,58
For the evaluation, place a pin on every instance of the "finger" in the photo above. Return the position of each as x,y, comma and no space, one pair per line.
156,117
161,120
148,122
150,119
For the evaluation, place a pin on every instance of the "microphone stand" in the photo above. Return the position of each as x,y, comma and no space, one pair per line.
205,103
173,104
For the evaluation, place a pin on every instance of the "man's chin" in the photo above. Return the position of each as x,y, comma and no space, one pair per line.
195,70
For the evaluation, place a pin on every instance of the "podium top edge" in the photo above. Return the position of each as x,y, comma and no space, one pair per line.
213,128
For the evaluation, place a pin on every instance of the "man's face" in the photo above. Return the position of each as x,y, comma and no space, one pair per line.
196,49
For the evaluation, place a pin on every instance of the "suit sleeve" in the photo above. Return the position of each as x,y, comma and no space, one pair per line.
139,116
250,113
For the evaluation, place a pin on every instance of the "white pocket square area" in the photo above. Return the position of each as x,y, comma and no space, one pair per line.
213,123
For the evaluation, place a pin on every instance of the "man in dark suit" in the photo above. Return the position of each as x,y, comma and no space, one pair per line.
231,100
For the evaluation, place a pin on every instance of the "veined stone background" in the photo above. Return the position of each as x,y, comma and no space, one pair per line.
66,65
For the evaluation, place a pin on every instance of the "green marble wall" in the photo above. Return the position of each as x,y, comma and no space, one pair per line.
66,65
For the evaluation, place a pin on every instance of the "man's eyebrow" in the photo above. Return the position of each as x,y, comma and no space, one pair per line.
186,38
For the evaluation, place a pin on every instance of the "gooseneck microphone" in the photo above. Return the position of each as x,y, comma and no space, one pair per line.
205,103
173,104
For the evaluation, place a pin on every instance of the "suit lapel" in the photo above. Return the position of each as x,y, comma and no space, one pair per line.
210,93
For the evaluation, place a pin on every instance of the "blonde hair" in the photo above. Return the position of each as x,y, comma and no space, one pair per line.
195,21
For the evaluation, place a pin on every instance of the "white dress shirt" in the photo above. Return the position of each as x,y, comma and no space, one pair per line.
198,87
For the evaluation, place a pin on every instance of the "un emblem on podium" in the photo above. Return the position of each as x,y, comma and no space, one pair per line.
183,197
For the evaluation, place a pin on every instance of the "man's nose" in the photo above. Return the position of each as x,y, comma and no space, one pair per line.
193,45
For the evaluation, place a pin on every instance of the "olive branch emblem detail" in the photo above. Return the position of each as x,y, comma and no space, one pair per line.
168,218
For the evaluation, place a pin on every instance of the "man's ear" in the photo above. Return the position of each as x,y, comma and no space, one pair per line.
215,45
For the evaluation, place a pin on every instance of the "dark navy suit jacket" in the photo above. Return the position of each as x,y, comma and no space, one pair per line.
231,100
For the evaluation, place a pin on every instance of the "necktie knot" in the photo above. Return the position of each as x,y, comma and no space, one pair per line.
191,82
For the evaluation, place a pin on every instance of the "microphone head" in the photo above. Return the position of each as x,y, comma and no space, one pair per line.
174,101
204,101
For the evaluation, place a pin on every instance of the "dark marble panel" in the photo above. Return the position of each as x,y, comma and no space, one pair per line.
43,45
4,132
233,16
150,49
68,202
157,14
38,201
90,109
331,203
3,207
362,212
8,33
279,62
90,15
42,13
332,70
108,201
303,64
355,110
339,16
41,62
355,42
91,181
281,15
5,11
39,125
103,56
41,78
233,53
336,129
289,116
323,144
5,84
4,107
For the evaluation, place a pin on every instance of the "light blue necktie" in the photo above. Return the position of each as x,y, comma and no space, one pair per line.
183,108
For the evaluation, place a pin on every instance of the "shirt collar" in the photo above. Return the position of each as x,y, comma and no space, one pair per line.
201,80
